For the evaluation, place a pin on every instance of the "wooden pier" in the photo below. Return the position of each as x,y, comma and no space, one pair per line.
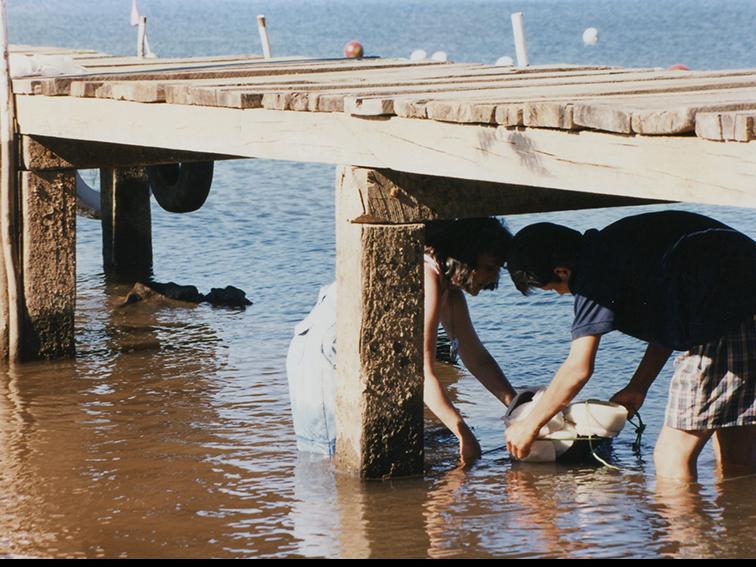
414,141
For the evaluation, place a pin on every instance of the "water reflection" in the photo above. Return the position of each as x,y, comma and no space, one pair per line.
134,459
696,524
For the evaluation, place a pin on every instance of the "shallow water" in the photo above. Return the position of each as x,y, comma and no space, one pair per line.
170,436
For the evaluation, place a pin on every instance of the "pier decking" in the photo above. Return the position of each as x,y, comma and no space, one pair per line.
637,132
415,141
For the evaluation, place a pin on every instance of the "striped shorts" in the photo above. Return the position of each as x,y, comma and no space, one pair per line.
714,384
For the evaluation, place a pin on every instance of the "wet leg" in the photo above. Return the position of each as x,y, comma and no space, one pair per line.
677,451
735,450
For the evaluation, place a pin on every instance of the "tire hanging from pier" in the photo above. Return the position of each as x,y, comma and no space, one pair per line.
181,187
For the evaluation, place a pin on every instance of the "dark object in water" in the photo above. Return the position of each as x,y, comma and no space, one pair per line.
583,449
229,296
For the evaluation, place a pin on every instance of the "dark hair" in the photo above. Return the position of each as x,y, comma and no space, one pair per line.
456,245
539,248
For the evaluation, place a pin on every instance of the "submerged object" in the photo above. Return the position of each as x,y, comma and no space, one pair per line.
573,433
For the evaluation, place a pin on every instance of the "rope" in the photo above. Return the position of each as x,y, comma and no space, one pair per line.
640,427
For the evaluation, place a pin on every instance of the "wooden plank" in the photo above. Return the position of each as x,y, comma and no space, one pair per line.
673,168
97,62
726,126
392,197
358,82
41,153
60,86
459,103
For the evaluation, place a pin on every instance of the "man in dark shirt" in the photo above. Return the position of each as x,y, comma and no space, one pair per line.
679,281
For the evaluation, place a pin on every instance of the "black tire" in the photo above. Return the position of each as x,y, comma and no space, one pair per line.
181,187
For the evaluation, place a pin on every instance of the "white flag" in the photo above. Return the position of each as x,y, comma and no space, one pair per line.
134,13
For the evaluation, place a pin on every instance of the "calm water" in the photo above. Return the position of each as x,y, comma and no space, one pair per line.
170,434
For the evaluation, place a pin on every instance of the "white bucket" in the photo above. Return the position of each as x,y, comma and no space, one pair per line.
596,418
593,418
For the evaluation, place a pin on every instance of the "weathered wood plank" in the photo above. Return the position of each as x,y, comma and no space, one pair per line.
462,103
673,168
726,126
353,82
42,153
392,197
60,86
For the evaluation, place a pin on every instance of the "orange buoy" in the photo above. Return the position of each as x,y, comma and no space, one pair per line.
353,49
678,67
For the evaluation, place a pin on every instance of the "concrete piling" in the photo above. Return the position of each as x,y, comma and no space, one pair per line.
48,261
379,278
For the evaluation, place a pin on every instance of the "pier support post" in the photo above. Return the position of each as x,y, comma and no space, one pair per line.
126,223
48,208
379,330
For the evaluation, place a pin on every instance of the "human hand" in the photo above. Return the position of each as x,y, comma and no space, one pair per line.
469,449
631,398
520,436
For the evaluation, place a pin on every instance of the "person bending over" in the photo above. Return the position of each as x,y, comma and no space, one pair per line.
462,256
678,281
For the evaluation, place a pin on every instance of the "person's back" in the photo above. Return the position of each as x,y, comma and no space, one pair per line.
672,277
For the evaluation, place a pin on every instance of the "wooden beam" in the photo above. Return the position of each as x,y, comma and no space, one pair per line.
42,153
393,197
668,167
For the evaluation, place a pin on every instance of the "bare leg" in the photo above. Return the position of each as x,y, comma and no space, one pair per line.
677,451
735,450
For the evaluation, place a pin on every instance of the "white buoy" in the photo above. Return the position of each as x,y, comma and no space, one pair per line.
418,55
590,36
440,56
505,61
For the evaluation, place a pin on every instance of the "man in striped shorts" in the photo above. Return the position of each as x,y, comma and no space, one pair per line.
679,281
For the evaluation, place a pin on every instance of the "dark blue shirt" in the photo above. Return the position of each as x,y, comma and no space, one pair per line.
674,278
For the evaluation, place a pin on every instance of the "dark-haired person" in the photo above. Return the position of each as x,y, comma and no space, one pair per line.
679,281
460,256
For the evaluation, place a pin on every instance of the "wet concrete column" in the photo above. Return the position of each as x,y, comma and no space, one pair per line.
126,223
379,330
48,263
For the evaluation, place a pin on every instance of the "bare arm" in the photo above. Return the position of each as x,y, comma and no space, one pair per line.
434,394
633,395
474,355
567,382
